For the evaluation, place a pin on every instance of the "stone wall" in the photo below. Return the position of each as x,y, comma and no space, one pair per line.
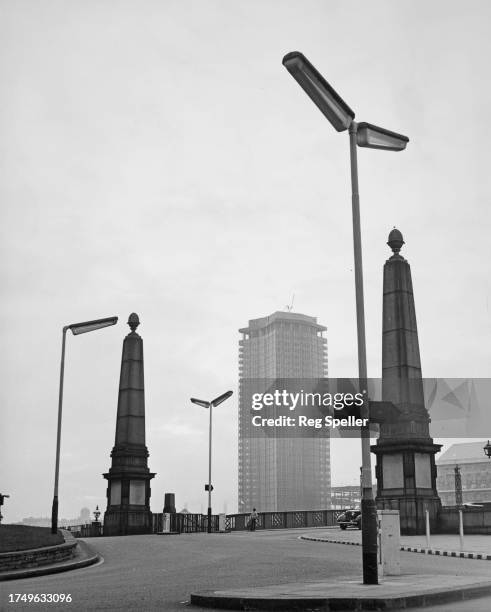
23,559
476,520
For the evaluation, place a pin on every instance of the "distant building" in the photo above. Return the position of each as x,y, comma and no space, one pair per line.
85,516
37,521
278,473
475,470
347,496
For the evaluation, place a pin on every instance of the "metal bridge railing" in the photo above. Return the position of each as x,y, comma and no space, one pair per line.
184,523
198,523
286,520
195,523
88,530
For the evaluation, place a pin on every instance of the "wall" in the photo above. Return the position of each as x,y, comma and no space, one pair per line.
476,520
35,557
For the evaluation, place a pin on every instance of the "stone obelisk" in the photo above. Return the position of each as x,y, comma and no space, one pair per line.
128,491
406,471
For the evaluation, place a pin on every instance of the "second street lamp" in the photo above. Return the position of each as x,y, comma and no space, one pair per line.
340,115
76,329
210,405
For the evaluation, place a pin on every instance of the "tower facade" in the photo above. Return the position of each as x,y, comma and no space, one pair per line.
278,473
406,471
128,489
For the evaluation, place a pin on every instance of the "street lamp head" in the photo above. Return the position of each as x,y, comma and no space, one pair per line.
200,402
88,326
487,450
328,101
216,402
375,137
221,398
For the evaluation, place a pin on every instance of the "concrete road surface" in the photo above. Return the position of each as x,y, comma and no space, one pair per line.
152,572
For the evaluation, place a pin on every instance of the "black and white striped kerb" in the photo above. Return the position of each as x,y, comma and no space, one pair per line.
427,551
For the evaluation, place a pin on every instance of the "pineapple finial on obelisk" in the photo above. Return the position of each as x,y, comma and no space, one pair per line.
133,321
406,471
402,382
128,491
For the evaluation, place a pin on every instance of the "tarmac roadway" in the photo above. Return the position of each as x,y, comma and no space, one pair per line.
145,573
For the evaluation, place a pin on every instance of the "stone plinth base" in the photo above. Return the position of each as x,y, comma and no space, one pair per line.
412,512
127,522
406,481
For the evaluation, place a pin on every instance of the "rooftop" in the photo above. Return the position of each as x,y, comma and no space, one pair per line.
465,452
280,316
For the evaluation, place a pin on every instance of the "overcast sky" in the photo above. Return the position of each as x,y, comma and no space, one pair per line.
157,157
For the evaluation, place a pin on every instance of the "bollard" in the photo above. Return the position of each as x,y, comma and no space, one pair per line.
461,530
380,561
427,529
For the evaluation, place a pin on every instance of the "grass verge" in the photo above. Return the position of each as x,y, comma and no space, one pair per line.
23,537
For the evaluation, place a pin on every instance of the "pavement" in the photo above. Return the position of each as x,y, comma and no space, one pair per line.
146,573
392,593
475,546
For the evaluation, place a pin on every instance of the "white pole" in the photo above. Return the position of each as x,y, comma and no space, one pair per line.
461,529
427,529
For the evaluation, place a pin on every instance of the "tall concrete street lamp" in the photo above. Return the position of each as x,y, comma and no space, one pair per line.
342,118
76,329
210,405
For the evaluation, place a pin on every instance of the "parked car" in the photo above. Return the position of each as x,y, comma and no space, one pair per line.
350,518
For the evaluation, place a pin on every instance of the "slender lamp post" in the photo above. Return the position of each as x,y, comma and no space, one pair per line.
458,487
340,115
487,450
76,329
210,405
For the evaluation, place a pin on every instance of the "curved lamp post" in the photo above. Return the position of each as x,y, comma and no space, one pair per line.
210,405
76,329
340,115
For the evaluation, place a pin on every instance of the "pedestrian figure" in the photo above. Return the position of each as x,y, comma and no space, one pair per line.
253,520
